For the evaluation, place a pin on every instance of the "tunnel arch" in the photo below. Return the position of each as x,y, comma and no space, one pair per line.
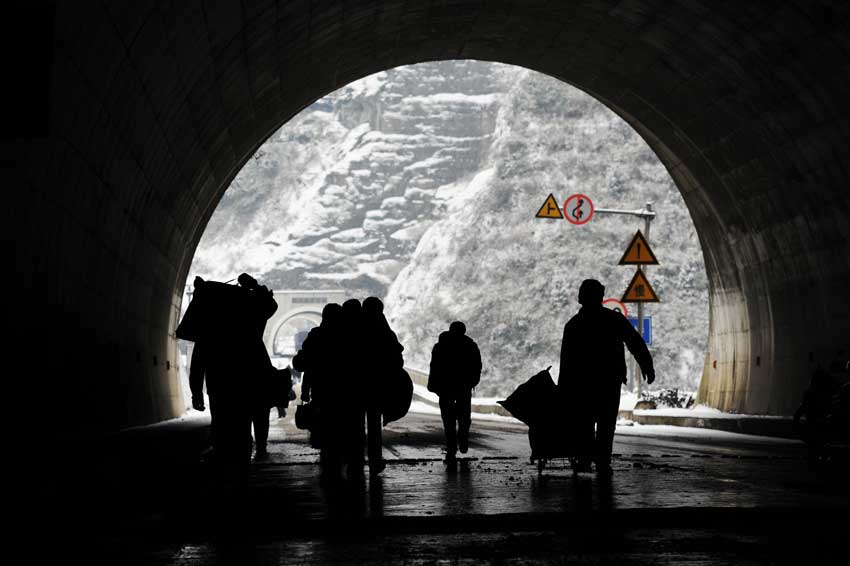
155,108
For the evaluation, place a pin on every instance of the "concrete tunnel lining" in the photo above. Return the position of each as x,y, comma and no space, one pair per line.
155,108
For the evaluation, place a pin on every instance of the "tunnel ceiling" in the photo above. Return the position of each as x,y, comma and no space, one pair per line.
155,106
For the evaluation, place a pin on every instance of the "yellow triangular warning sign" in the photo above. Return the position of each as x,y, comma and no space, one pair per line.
550,209
639,290
639,252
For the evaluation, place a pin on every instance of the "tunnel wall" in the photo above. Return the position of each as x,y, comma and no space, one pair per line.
155,107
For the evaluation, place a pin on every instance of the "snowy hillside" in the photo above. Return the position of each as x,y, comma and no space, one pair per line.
340,196
420,185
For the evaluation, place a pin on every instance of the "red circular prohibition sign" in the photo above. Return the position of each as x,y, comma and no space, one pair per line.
616,305
578,209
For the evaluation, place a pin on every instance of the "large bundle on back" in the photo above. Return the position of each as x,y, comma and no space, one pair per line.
218,311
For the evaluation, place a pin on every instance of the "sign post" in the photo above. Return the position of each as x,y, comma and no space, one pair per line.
639,290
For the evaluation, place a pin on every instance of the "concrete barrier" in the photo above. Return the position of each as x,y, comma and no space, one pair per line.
780,427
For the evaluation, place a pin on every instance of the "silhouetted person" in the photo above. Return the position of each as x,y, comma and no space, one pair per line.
232,359
822,409
318,360
593,367
455,370
348,396
260,361
382,356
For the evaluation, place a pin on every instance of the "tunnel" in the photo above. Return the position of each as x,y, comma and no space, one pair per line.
154,107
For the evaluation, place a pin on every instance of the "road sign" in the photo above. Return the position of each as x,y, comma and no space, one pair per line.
550,209
578,209
616,305
639,252
639,290
647,328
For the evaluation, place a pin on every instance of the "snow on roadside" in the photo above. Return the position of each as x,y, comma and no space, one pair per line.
703,412
673,431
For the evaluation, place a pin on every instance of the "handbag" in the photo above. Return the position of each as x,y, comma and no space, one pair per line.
306,416
397,396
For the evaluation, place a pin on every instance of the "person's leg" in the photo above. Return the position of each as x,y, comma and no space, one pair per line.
245,441
373,425
353,439
606,421
579,443
330,457
215,438
449,414
464,420
231,441
260,418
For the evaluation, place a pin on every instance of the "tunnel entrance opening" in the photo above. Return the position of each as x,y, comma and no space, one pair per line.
419,185
155,108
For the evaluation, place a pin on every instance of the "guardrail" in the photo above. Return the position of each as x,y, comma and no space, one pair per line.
420,377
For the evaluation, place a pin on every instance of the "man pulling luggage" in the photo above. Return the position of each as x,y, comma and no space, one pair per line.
593,366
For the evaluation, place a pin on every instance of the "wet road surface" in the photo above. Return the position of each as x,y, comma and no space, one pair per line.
711,500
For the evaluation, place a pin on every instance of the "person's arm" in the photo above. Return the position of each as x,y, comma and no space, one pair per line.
303,359
269,304
564,370
434,370
197,369
300,363
395,348
475,356
634,342
303,362
306,386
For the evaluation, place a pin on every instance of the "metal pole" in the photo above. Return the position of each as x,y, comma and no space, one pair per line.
647,214
647,219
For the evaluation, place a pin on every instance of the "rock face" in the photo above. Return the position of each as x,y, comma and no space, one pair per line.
420,185
341,195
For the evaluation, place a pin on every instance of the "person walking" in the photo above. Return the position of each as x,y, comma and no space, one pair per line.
348,396
259,363
231,358
455,370
593,367
382,357
319,361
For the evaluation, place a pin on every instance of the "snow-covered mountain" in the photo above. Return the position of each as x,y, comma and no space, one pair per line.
420,185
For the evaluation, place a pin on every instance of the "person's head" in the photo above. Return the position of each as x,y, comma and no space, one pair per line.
591,292
457,327
373,305
351,308
247,281
331,313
